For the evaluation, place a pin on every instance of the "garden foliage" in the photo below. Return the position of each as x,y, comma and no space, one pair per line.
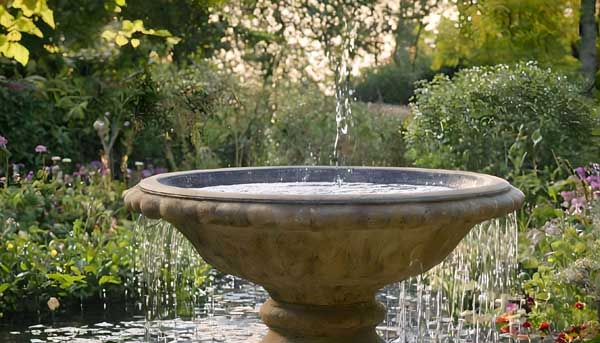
500,119
560,261
67,238
392,83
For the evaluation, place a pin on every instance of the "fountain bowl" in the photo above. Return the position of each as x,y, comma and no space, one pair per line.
322,258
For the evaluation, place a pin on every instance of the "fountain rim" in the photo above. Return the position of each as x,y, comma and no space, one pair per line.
490,186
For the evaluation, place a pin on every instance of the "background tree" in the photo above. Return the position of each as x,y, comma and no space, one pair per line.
506,31
588,28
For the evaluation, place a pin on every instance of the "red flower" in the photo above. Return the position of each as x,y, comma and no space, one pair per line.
562,338
530,301
505,329
579,305
527,325
544,326
501,319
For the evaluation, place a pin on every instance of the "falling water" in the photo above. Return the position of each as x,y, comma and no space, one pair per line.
172,273
343,93
458,300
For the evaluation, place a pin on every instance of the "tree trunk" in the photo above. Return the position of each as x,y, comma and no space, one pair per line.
588,31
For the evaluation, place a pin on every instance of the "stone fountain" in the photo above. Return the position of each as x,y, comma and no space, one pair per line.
322,258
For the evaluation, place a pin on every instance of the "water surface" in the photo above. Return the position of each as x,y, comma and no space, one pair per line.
324,188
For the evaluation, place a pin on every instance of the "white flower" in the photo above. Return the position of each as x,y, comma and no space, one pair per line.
53,304
100,125
66,160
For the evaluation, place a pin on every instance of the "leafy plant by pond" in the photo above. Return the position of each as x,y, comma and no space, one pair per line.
560,264
66,240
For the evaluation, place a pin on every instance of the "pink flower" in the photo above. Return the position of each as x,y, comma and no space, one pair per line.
3,142
511,308
594,182
577,205
568,196
41,149
580,172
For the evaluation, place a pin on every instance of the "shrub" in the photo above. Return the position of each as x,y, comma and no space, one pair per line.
208,120
499,119
60,112
392,84
27,112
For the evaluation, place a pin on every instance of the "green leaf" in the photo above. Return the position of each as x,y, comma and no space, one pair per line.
127,26
75,270
530,263
90,269
121,40
6,19
22,275
36,7
66,281
173,40
580,247
109,35
109,279
13,36
48,17
536,137
24,24
16,51
4,287
138,26
121,3
161,33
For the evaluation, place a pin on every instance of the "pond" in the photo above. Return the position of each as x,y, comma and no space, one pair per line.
230,315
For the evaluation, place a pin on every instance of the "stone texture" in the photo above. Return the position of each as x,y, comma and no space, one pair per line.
322,259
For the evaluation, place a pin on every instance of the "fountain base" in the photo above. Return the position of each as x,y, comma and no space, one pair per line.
300,323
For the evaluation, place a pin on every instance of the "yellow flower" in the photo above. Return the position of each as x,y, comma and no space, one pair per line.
53,253
10,246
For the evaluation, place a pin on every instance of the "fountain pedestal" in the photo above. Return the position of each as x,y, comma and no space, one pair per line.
323,257
301,323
